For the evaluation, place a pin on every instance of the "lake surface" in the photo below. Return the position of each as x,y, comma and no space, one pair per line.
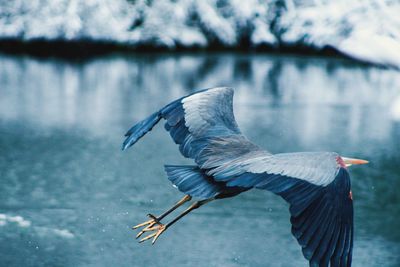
68,195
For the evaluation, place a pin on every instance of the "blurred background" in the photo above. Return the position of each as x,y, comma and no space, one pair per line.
75,75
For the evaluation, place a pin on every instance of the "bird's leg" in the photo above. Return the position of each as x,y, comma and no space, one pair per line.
159,229
177,205
156,220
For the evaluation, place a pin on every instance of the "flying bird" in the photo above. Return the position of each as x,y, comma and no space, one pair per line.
315,184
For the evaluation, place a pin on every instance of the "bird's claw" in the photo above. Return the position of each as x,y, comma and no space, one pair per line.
149,225
158,230
152,221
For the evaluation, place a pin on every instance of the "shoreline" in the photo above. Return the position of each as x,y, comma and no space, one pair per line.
86,49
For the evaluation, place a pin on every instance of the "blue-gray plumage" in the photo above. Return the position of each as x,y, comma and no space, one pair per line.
315,184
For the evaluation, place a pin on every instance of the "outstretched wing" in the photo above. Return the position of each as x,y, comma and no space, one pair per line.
317,189
194,120
321,216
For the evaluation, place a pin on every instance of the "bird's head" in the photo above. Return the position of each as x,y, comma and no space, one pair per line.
347,162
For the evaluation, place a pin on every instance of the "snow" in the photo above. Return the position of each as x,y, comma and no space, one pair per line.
383,50
65,19
64,233
364,30
20,221
23,223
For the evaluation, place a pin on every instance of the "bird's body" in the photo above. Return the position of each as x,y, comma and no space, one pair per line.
315,184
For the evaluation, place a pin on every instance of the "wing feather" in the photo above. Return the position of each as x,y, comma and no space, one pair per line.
321,216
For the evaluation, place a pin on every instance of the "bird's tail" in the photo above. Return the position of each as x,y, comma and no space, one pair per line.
192,181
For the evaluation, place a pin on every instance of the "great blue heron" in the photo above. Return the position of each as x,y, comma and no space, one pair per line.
315,184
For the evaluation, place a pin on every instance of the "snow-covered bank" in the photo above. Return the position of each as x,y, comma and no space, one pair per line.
364,30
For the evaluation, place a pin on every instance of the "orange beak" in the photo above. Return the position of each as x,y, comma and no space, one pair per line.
351,161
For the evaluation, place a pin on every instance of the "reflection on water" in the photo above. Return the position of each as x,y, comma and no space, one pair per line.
62,172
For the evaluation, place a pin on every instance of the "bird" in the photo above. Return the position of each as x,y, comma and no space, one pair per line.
316,185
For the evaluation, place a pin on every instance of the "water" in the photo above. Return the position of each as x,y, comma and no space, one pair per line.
77,195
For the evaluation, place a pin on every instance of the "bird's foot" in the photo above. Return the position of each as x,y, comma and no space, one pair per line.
157,231
147,225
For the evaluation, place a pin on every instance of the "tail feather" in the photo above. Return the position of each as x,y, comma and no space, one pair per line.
192,181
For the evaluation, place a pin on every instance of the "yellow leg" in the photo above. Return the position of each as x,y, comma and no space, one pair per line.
159,229
156,220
